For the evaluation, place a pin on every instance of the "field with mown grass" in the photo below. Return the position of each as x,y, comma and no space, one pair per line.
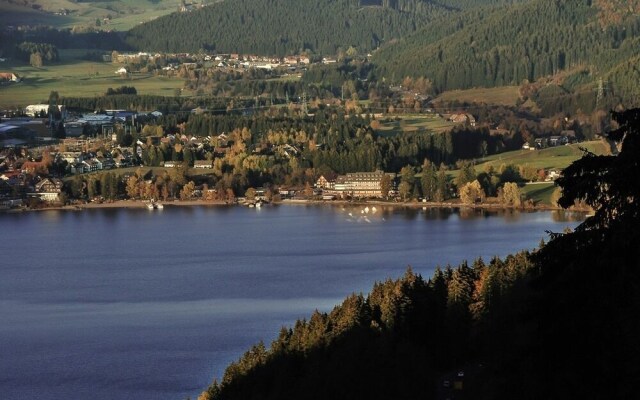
74,77
124,14
503,95
412,123
539,192
550,158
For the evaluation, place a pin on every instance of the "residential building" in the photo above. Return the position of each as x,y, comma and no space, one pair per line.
357,185
48,189
202,164
365,184
71,157
327,181
172,164
463,119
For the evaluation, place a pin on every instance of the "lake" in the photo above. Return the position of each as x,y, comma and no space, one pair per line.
138,304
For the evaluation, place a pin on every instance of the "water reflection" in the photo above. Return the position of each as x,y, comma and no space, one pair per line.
568,216
52,215
115,290
469,213
437,213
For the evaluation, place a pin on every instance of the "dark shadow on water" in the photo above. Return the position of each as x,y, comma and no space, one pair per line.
437,213
568,216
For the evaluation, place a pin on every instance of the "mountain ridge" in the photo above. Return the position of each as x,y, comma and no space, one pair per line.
511,44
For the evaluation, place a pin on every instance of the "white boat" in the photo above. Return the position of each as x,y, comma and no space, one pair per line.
152,205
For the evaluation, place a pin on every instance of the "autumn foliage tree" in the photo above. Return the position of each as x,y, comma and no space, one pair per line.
509,195
471,193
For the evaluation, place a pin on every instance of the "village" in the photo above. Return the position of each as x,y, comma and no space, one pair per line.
168,63
38,182
41,175
38,164
32,168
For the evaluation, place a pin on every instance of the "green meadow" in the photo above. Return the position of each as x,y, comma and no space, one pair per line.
539,192
550,158
121,15
413,123
504,95
74,77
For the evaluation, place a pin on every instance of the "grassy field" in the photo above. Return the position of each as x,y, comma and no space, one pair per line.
155,171
286,78
505,95
550,158
540,193
124,14
74,77
414,123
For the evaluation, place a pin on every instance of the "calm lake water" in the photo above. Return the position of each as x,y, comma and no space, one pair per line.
137,304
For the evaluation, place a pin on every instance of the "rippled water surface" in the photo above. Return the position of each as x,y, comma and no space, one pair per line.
138,304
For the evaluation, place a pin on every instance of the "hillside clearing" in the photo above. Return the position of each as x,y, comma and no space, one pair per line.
413,123
550,158
504,95
117,15
79,78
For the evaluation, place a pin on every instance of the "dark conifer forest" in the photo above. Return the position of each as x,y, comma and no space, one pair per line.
456,44
283,27
510,44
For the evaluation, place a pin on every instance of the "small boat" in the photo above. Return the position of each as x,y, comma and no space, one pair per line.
152,205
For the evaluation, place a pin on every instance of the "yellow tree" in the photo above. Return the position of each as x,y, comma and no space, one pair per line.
187,191
510,195
250,194
308,190
132,187
231,197
471,193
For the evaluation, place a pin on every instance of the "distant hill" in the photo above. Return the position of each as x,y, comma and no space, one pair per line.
496,46
280,27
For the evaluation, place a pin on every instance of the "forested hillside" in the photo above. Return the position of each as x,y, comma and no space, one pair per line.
558,323
281,27
506,45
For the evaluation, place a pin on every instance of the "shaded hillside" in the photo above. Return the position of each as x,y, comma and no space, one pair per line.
559,323
577,334
391,344
280,27
507,45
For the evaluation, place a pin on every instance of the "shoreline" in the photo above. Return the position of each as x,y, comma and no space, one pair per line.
123,204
